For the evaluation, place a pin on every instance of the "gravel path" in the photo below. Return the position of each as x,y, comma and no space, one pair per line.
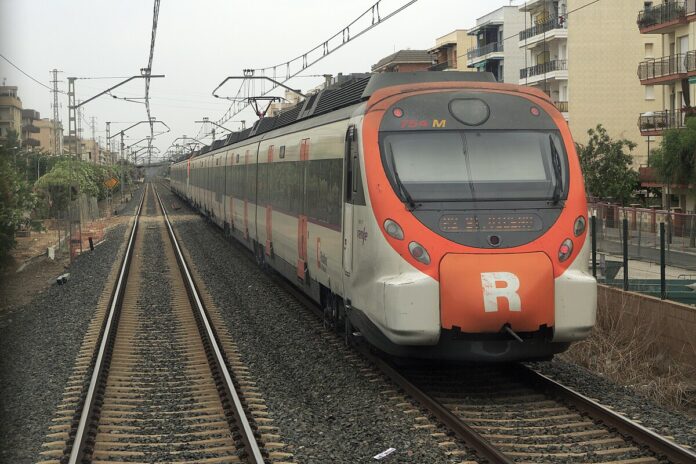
624,400
39,344
326,408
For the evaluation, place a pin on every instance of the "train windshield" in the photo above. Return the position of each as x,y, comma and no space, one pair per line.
476,165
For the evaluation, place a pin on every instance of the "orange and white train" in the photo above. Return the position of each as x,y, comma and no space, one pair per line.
440,214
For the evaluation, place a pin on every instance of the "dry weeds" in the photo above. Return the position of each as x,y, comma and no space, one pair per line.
631,354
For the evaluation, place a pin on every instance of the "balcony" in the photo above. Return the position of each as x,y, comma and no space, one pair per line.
494,47
655,123
667,69
440,66
562,106
545,29
544,69
659,18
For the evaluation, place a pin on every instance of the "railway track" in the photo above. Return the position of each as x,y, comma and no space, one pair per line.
160,390
511,413
514,414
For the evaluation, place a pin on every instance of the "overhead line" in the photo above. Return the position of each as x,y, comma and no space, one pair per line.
155,17
324,49
26,74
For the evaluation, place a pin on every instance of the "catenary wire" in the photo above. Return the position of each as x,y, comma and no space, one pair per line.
26,74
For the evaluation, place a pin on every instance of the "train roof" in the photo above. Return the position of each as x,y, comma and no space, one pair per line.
352,90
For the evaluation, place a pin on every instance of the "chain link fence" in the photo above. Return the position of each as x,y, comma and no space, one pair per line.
648,250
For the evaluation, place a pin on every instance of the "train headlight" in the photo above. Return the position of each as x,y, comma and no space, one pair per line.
419,253
579,227
393,229
565,250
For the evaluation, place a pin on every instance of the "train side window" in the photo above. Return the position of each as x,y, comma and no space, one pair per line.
351,136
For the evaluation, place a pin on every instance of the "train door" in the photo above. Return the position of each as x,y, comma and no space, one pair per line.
350,165
223,188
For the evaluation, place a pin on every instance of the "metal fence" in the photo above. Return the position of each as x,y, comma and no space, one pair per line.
476,52
544,68
648,250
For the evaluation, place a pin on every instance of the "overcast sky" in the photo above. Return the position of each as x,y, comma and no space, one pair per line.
198,44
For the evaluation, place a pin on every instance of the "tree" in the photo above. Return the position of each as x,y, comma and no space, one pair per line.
676,157
675,162
606,166
16,197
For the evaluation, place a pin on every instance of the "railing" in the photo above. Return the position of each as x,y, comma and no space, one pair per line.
543,68
643,228
661,120
562,106
666,66
662,13
542,28
440,66
690,60
485,50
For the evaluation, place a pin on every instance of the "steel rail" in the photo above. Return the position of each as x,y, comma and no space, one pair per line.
80,440
655,442
464,432
623,425
248,437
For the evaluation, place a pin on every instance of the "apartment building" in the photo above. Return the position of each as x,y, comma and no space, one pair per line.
449,52
10,111
496,49
604,49
669,70
545,40
40,134
89,149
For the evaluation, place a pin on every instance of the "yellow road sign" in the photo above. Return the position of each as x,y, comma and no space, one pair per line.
111,183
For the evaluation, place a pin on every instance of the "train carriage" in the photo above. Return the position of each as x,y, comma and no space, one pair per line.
441,214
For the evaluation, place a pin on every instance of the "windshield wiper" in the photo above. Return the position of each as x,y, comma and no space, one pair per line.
558,185
402,188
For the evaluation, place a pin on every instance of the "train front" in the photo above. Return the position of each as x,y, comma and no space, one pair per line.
478,196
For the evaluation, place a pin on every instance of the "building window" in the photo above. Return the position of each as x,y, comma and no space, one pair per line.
649,50
649,92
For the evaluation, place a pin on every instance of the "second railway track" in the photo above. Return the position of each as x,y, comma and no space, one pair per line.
514,414
160,391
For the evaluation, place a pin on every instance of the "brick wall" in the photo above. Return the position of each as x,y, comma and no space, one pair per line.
675,322
413,67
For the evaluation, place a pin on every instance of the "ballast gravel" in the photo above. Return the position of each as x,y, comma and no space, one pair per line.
622,400
38,346
326,409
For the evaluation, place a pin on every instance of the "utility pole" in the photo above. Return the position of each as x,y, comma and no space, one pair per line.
149,151
73,132
57,138
72,117
108,153
79,116
95,146
75,225
123,166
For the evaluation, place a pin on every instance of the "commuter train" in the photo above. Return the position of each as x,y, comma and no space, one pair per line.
440,214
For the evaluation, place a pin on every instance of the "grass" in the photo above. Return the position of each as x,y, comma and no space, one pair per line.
628,350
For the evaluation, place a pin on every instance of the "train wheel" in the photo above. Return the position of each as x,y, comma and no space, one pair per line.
260,256
329,309
348,337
